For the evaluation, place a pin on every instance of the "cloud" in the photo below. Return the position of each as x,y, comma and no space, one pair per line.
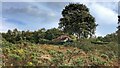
105,17
14,21
102,14
25,7
111,5
119,8
36,15
32,10
60,0
4,26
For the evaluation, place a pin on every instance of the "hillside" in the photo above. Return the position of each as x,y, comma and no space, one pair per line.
28,54
59,34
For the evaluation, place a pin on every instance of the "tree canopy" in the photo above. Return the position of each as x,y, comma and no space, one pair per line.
16,36
118,29
77,20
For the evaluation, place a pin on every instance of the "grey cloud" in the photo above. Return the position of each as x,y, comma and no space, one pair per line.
24,10
31,10
57,6
119,8
111,5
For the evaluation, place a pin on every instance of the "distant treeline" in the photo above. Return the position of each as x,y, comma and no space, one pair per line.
16,36
43,36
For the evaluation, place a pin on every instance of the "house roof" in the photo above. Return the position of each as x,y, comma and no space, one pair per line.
62,37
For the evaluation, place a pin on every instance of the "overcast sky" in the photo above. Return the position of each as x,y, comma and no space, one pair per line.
35,15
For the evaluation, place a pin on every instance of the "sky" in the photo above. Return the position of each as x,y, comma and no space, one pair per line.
36,15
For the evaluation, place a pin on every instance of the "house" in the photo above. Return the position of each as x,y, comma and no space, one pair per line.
63,38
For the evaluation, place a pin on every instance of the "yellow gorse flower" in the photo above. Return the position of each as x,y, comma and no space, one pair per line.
21,51
30,63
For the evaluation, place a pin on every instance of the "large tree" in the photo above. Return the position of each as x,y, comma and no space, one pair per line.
77,20
119,29
119,35
118,24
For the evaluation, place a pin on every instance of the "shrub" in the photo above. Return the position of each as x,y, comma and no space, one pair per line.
29,64
96,61
104,56
52,52
44,41
15,57
79,61
99,42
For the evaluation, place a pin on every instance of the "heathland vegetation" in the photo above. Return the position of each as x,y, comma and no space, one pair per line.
73,43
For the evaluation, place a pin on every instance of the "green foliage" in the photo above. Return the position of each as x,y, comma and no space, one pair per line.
104,56
15,57
77,20
69,52
52,52
79,62
99,42
41,36
44,41
53,33
84,44
118,31
99,38
28,54
96,61
113,37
